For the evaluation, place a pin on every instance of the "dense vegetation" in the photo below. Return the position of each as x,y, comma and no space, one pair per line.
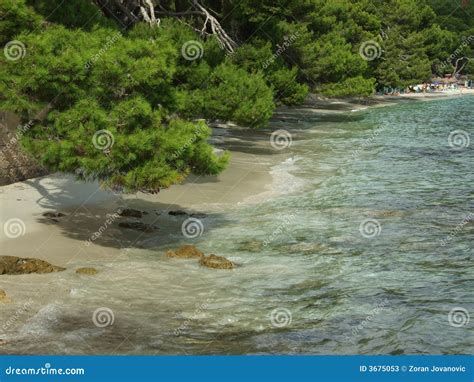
120,90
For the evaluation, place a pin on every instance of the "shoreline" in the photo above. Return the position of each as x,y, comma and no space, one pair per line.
134,277
252,176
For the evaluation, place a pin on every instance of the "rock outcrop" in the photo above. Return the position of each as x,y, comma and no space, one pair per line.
185,252
12,265
15,164
216,262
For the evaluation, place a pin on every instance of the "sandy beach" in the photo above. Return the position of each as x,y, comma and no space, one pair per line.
87,206
241,210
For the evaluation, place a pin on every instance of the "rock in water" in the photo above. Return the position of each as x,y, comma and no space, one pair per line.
12,265
86,271
138,226
216,262
186,252
199,215
50,214
177,213
130,212
251,246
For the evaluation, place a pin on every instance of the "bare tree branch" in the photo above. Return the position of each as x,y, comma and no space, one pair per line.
147,10
456,70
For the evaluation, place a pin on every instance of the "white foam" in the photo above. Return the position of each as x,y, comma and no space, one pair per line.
283,181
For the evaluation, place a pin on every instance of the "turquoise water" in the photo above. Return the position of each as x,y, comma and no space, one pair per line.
367,252
389,293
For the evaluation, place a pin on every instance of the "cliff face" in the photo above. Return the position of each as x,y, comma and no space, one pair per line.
15,164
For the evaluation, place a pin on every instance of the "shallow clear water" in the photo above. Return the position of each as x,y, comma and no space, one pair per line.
350,260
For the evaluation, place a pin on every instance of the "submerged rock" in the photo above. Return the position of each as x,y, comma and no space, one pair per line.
12,265
51,214
130,212
216,262
177,213
87,271
185,252
306,248
199,215
251,246
138,226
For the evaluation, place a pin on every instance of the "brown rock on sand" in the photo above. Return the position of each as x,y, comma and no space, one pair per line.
12,265
216,262
3,297
185,252
87,271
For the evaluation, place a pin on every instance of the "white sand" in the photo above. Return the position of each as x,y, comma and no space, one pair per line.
87,208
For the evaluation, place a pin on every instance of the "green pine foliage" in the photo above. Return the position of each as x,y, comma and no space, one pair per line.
127,104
